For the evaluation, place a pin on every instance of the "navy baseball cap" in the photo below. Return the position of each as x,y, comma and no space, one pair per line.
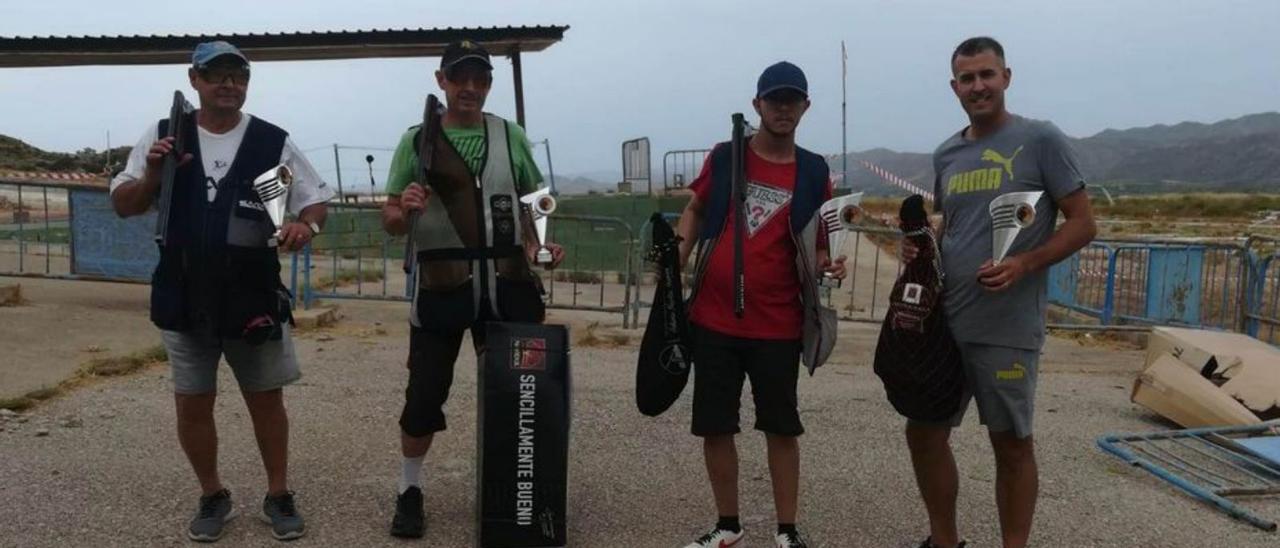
206,52
464,50
782,75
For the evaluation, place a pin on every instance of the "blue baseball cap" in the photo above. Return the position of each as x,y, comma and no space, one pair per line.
782,75
206,52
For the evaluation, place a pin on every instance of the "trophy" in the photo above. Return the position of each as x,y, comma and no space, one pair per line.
273,190
837,216
1010,213
539,205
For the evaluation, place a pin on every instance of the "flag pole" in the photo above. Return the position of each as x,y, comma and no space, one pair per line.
844,124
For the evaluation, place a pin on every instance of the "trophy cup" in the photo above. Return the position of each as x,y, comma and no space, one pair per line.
1010,213
539,205
837,216
273,190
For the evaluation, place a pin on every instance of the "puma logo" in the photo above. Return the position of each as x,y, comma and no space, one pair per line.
991,155
1017,372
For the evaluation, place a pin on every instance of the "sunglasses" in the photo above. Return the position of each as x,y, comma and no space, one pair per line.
469,72
237,76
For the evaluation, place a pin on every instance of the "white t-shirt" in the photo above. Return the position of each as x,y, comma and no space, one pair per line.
218,150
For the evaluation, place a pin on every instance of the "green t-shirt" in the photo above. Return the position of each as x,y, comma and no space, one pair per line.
470,144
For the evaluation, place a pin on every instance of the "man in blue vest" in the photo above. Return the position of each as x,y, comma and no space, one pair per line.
784,321
216,291
473,245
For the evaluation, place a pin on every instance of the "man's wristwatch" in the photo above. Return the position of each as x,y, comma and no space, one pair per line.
315,228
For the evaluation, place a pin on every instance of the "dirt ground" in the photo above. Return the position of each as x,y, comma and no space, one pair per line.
109,472
63,324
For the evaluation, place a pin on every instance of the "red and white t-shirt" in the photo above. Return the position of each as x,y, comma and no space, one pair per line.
773,308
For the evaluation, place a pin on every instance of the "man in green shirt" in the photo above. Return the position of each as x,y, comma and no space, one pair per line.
473,244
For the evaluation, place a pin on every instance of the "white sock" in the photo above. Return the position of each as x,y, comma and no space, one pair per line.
411,473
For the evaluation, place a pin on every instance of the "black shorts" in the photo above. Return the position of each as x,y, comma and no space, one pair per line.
434,349
720,364
432,354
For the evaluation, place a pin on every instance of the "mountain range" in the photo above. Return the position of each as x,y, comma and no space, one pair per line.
1239,154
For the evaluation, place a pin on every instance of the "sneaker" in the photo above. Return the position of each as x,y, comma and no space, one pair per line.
718,538
408,522
789,540
281,513
212,516
928,543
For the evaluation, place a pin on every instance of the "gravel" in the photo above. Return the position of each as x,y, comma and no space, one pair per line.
121,480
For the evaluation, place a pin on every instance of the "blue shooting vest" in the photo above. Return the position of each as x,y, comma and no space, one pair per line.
217,271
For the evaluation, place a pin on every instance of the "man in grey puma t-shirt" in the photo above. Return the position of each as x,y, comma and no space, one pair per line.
996,312
1022,155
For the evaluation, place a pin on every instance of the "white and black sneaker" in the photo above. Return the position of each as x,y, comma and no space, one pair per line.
719,538
790,540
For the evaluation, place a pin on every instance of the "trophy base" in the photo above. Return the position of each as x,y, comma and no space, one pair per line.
274,240
543,256
829,282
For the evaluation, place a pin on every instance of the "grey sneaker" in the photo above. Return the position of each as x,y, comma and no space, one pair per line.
212,516
280,512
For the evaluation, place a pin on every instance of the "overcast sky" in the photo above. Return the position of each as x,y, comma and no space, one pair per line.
674,70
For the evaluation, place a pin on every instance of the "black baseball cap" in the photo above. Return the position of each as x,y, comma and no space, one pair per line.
464,50
782,75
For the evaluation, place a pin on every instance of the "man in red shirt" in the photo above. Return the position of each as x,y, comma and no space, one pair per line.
783,319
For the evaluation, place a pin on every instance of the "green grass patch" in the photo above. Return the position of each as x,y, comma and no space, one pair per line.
577,276
348,276
1189,206
123,365
97,367
591,337
350,233
16,404
42,394
56,235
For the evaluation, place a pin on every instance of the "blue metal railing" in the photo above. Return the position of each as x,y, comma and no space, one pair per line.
1164,283
1263,315
1205,464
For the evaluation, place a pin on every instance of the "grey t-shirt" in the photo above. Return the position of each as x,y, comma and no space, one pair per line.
1024,155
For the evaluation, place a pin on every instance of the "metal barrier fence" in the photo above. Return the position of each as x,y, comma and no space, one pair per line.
599,267
1213,285
354,258
681,167
873,266
1196,285
56,231
1079,283
1262,310
35,234
871,261
635,164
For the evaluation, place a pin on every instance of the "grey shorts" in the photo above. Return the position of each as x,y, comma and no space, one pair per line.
1002,380
194,357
